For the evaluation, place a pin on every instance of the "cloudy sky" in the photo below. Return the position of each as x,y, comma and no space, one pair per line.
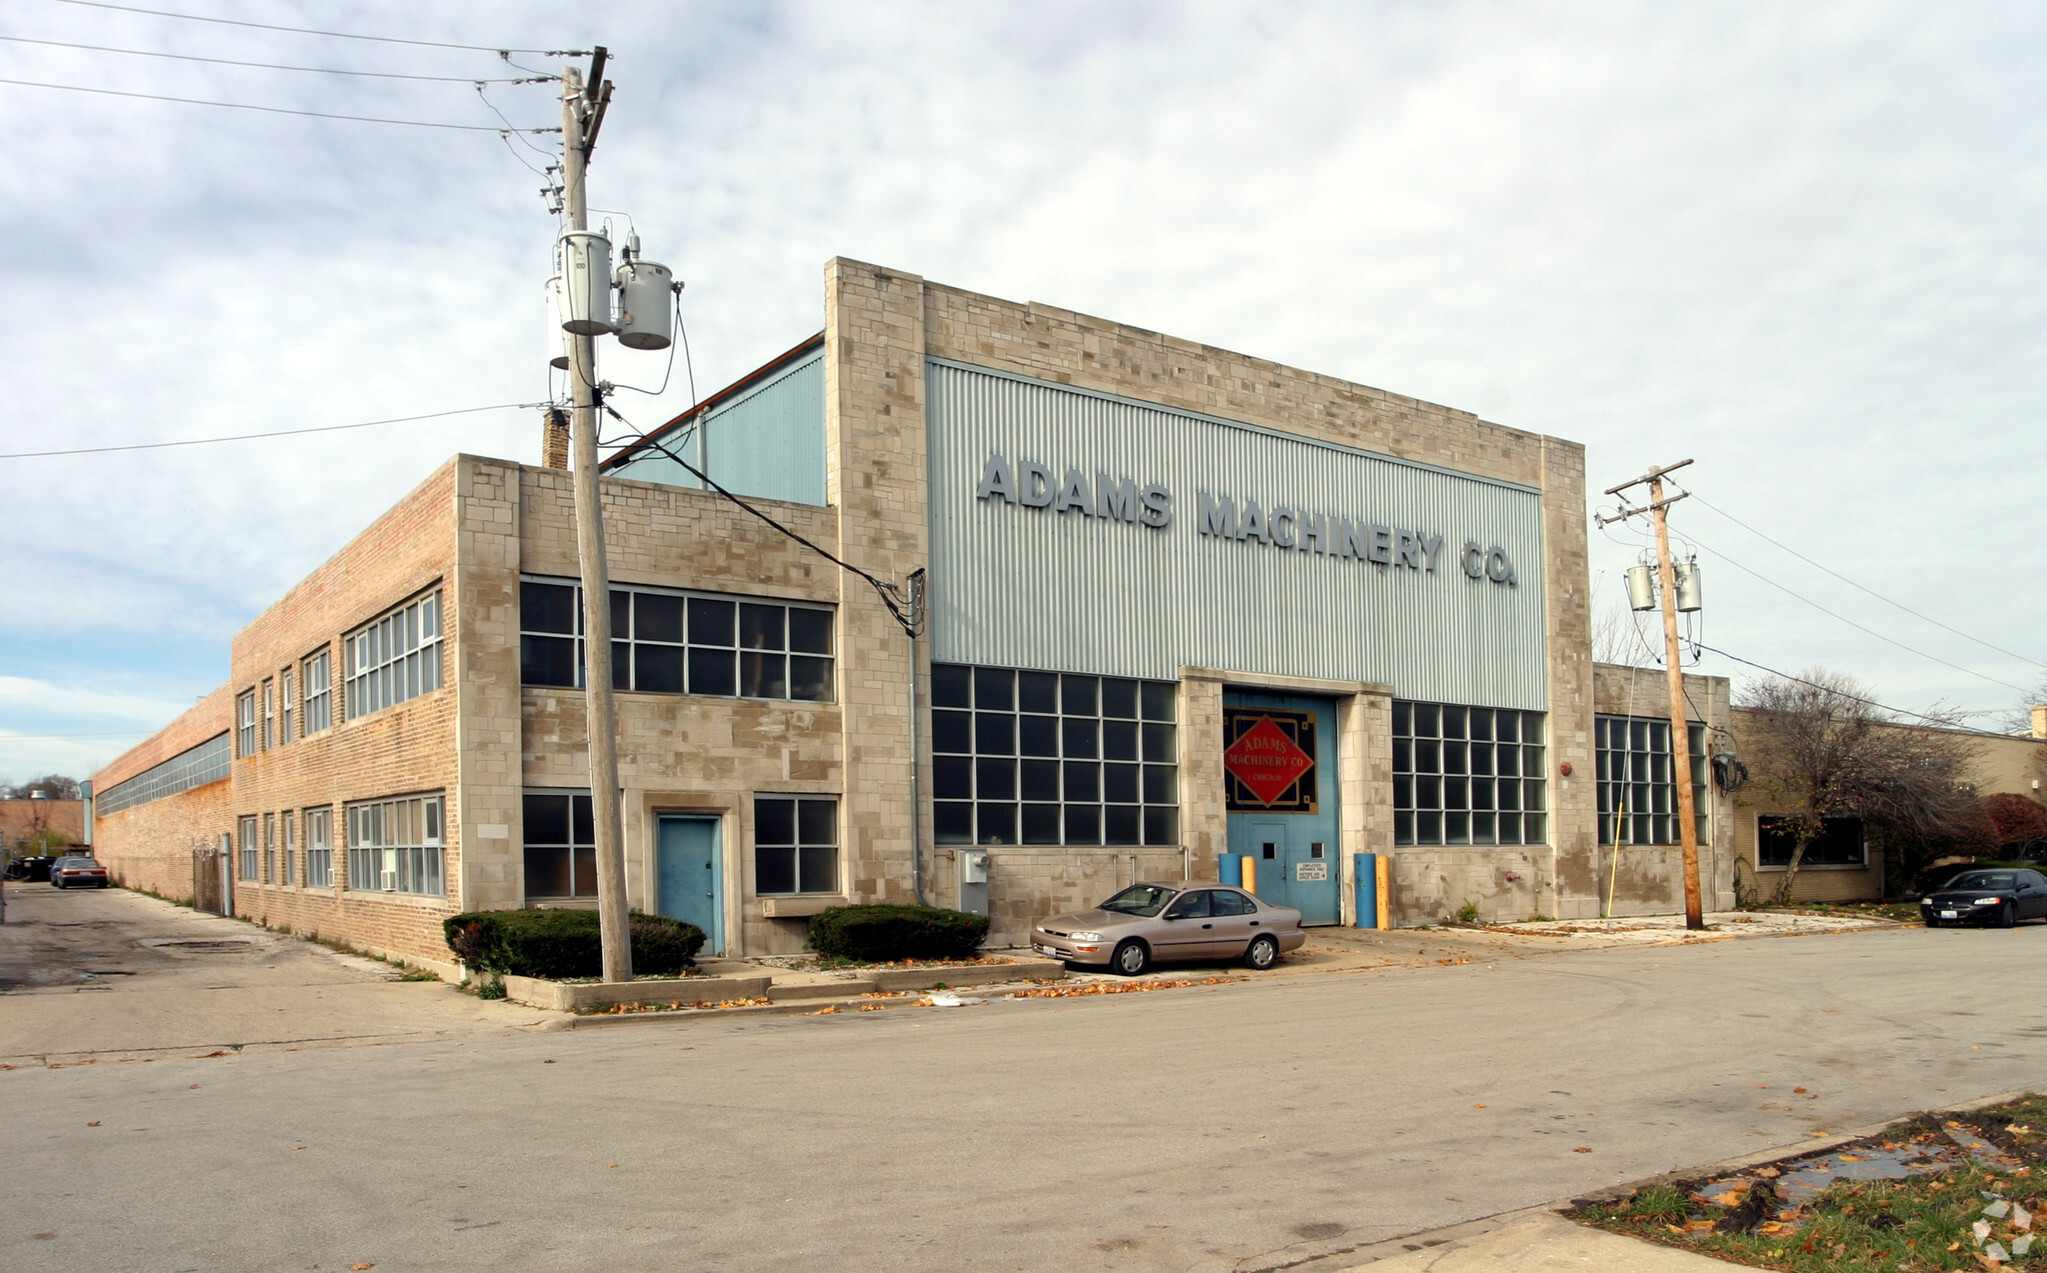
1799,244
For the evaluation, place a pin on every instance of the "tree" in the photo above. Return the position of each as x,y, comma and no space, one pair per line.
2018,827
1819,748
53,787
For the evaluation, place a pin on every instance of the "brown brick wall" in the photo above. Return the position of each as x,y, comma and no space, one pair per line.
20,819
150,846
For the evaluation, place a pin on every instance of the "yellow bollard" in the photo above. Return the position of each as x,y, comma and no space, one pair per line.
1383,869
1251,874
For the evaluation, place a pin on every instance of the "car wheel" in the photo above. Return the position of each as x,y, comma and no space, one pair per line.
2007,915
1931,922
1263,952
1131,958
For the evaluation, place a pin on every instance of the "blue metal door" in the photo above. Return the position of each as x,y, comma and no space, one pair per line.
687,881
1292,834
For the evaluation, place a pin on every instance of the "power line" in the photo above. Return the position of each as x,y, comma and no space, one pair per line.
1851,583
275,66
1942,722
1852,623
337,35
274,110
42,738
279,433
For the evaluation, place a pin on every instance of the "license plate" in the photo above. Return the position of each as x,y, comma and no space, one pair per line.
1047,950
1950,914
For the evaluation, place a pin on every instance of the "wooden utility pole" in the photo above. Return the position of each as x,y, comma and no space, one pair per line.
1680,729
582,113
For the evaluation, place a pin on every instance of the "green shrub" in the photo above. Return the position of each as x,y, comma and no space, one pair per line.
566,943
884,933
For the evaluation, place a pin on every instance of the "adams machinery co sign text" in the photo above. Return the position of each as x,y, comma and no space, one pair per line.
1030,485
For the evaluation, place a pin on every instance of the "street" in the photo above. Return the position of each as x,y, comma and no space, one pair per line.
1240,1127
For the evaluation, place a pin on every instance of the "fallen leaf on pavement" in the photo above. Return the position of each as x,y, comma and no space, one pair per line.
358,1268
1798,1089
825,1011
94,1123
1582,1149
1478,1105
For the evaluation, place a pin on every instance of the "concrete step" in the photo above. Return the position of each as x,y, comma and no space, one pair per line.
780,991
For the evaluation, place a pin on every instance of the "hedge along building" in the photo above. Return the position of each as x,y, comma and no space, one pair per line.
1182,603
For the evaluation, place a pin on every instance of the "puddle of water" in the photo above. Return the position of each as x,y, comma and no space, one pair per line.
1883,1161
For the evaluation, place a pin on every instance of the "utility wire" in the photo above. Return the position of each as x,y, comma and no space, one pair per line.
886,591
1942,722
337,35
279,433
1851,583
276,110
276,66
1852,623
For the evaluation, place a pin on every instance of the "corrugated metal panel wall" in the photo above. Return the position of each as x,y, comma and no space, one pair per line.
768,441
1028,587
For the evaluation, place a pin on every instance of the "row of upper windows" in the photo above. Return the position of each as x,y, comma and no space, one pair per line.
392,658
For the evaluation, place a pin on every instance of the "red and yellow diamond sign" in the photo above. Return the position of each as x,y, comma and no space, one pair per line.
1266,761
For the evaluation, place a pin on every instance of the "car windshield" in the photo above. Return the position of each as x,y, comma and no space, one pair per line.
1984,879
1139,899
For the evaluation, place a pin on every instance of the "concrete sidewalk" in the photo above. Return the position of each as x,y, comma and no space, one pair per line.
1540,1242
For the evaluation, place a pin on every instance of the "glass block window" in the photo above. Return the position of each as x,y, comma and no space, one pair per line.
395,846
1468,775
319,682
194,767
795,844
666,641
1637,800
561,845
249,850
1053,758
320,848
245,723
396,658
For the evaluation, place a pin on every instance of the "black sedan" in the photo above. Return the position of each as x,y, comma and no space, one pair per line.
2000,897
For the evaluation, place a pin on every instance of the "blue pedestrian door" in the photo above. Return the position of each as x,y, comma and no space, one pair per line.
1289,828
687,879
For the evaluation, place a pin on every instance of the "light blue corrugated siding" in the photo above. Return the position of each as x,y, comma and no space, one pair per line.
768,441
1019,587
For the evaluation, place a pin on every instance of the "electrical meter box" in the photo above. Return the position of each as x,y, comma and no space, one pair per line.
973,864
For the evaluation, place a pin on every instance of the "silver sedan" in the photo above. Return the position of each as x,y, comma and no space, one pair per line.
1159,923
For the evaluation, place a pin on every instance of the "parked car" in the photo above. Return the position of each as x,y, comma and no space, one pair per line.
1166,923
30,870
78,872
2000,897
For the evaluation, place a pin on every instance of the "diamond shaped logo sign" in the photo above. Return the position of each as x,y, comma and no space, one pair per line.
1266,761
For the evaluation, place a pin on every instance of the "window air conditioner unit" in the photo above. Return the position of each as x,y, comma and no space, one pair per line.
389,881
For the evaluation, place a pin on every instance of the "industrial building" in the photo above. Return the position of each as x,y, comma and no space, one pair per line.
1182,603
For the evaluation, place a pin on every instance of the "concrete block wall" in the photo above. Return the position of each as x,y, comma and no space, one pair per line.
149,846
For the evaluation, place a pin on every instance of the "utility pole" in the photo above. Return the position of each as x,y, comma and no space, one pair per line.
1680,731
583,105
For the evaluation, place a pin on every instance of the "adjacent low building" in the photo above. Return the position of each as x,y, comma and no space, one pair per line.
1181,603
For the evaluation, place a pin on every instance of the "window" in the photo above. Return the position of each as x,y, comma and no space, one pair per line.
1636,795
396,658
319,848
1468,775
1839,842
561,845
319,697
269,846
795,844
249,862
669,642
245,723
394,846
194,767
1051,758
284,706
269,716
284,859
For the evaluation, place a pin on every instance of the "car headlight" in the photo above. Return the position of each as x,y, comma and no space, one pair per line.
1988,901
1084,936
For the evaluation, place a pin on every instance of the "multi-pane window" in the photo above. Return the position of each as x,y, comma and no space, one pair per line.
795,844
395,658
285,854
269,847
1468,775
1637,800
249,850
561,845
319,692
284,706
1839,842
320,848
394,846
269,716
670,642
1051,758
245,723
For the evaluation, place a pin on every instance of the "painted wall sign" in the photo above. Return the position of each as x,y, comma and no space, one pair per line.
1269,756
1032,485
